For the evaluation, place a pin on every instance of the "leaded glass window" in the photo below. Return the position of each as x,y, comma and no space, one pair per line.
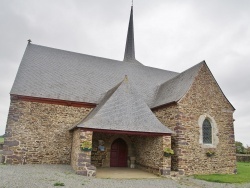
207,132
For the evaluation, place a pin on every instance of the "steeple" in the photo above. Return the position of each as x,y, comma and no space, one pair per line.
129,55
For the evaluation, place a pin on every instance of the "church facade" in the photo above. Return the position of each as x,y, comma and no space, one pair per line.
92,112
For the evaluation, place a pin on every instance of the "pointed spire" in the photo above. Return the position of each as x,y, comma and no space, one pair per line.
129,55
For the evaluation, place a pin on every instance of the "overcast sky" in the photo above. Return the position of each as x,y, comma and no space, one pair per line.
172,35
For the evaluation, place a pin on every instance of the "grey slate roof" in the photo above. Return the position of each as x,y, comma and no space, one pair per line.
174,89
123,109
56,74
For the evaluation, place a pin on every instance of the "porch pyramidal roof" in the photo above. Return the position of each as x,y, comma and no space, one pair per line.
123,109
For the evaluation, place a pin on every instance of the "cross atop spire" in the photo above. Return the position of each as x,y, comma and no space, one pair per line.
129,55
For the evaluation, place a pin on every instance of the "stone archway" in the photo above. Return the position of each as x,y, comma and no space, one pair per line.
118,153
102,158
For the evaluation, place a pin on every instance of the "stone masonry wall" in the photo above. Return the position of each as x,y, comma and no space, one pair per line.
100,158
149,154
75,150
169,117
204,98
39,133
81,160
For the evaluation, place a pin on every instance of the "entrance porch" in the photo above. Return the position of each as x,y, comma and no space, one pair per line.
120,149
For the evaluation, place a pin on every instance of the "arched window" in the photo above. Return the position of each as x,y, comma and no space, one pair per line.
207,132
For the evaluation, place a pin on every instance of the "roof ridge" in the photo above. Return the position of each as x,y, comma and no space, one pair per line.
107,95
73,52
197,65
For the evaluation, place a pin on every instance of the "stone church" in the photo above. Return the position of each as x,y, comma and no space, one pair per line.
126,113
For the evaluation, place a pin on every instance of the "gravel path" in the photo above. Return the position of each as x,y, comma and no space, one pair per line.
29,176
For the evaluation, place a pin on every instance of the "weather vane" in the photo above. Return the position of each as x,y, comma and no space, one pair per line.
132,2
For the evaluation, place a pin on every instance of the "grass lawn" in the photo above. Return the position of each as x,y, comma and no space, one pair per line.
1,139
243,175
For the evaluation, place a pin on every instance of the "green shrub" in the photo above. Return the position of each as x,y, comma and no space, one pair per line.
58,184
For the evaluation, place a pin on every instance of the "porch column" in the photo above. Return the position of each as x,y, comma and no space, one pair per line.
165,168
81,160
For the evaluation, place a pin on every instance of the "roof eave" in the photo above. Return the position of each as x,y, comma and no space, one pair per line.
141,133
164,105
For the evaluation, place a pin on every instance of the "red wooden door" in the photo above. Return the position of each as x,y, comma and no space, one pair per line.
118,153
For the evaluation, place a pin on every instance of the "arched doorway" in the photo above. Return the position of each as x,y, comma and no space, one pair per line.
118,153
